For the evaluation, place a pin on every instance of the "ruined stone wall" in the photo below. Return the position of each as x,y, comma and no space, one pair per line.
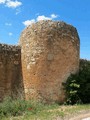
50,53
10,70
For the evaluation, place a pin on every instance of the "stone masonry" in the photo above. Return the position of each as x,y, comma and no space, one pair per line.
49,54
11,83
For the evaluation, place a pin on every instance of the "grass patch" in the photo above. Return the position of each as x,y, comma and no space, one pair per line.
32,110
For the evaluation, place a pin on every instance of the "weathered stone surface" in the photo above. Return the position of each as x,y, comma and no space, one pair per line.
50,53
10,71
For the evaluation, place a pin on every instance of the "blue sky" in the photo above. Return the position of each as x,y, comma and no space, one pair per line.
15,15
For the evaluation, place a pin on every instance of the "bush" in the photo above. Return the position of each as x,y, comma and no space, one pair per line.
10,107
78,85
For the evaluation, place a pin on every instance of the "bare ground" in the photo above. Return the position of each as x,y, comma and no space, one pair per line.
83,115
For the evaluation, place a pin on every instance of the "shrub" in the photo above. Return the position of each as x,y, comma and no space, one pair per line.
78,85
10,107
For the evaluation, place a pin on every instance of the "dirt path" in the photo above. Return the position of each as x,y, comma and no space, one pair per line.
84,116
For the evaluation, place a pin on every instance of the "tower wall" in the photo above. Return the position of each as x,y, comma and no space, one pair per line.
50,53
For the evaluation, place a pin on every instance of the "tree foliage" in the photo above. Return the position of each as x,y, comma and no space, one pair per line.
78,85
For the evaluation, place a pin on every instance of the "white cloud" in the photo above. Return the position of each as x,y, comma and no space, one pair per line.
2,1
42,17
8,24
18,11
10,34
29,22
54,16
13,4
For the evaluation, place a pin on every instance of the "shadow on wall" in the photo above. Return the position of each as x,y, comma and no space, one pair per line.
11,80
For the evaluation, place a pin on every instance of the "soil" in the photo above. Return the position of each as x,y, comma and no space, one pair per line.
83,115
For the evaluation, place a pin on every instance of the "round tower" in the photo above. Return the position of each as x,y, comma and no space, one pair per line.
50,53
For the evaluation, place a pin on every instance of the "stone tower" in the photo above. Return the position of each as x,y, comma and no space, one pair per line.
50,53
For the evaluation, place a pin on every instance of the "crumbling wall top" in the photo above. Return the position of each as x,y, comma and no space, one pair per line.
6,47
